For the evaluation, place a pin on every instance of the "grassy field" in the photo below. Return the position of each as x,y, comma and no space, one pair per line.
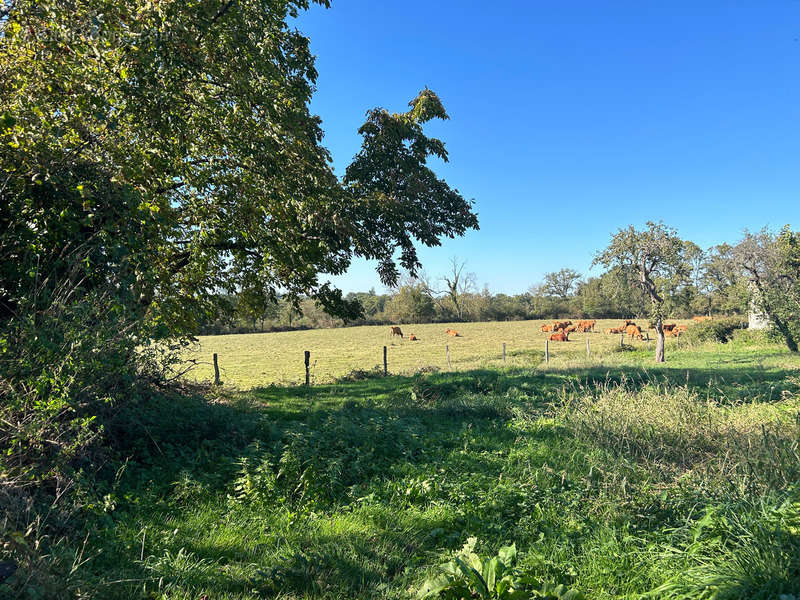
253,360
615,481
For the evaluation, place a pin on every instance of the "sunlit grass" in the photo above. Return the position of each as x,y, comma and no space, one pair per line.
259,359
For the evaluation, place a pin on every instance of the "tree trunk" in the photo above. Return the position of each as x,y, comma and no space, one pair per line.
660,341
783,328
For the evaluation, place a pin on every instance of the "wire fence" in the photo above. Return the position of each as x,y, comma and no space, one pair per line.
324,367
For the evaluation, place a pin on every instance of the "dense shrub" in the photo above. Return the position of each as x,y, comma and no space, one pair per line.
717,330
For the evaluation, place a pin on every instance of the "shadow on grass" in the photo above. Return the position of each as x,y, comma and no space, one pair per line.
726,382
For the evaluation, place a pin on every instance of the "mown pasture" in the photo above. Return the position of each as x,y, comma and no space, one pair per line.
615,481
258,359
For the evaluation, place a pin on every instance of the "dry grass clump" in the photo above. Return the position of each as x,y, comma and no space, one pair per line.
676,432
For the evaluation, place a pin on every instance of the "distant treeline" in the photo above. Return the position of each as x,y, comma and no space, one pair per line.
711,284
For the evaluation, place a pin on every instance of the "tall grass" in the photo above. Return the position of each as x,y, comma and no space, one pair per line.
687,436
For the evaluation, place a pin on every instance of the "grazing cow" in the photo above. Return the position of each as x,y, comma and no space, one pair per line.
701,319
560,337
571,328
412,337
397,331
633,331
453,333
586,326
546,328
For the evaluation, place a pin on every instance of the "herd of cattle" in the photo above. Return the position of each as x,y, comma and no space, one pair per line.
562,329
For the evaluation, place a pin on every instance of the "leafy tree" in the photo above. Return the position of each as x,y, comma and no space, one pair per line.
476,305
502,307
724,284
696,296
372,303
411,303
200,113
612,294
656,257
561,283
400,197
542,304
253,305
772,266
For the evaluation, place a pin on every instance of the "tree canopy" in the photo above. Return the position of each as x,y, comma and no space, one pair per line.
197,117
771,265
561,283
655,259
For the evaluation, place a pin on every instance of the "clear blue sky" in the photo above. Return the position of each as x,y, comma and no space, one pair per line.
570,120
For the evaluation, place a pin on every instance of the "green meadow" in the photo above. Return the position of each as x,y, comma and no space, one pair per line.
613,477
252,360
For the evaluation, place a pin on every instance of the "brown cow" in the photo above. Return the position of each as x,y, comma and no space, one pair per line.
453,332
627,322
397,331
546,328
559,337
668,327
615,330
571,328
412,337
633,331
586,326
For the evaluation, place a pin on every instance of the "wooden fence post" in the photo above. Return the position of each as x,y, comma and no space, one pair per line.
504,353
447,351
216,370
307,360
385,364
588,352
621,337
547,351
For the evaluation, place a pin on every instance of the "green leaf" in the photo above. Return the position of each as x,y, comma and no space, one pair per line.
433,586
508,554
491,570
474,576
